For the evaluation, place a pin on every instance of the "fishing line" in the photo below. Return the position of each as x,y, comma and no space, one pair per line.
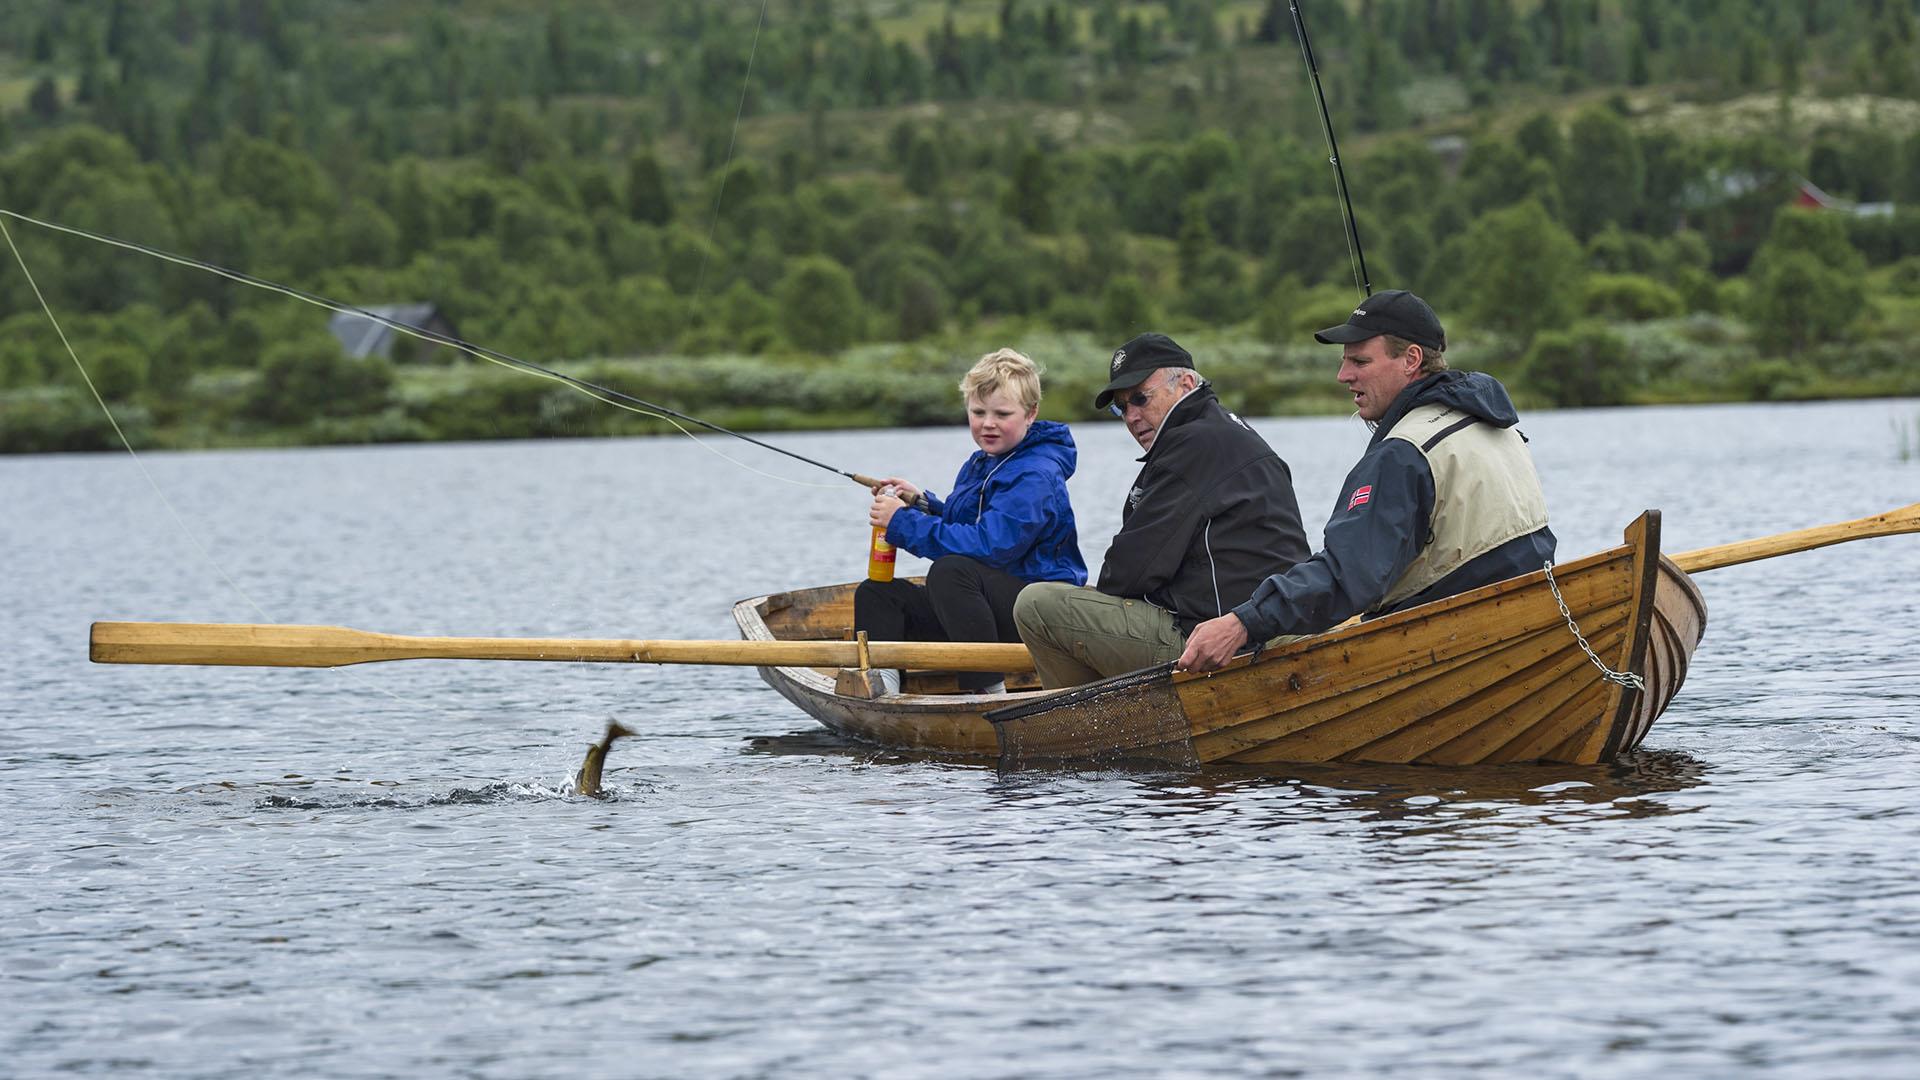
172,511
605,394
1356,259
178,521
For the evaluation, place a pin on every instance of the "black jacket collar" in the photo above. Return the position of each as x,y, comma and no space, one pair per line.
1186,411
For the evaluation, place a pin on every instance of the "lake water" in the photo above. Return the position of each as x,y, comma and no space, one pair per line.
373,871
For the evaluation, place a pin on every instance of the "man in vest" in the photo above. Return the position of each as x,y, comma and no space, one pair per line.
1444,500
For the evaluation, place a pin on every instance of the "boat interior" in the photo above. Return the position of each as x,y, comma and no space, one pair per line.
826,614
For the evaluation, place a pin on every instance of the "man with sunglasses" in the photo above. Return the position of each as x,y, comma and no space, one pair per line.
1445,498
1211,514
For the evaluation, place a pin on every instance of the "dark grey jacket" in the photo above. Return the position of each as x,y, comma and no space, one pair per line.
1370,544
1211,514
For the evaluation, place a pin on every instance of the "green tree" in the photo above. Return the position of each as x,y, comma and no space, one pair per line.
926,166
1521,271
820,306
1630,298
1126,308
1807,281
1216,290
1601,184
283,181
1156,195
118,369
1540,137
920,307
1583,366
1195,239
1029,198
309,378
44,100
648,199
517,140
115,206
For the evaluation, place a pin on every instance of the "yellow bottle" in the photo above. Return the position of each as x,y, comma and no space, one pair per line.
880,557
880,554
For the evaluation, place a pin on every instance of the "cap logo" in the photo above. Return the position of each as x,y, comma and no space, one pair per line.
1360,311
1119,357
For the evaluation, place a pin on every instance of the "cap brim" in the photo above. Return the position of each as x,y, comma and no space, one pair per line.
1344,334
1121,382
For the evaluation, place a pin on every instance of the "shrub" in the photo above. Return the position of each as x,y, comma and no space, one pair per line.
118,370
1799,300
1586,365
310,378
1630,297
1125,307
820,308
1772,380
63,419
1522,271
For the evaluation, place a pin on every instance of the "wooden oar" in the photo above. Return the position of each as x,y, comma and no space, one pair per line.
266,645
1904,520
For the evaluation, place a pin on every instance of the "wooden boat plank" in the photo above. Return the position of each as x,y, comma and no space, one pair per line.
1575,717
1281,718
1475,731
1425,714
1389,707
1308,671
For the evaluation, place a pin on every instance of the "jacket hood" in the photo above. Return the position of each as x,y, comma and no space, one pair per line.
1050,439
1472,392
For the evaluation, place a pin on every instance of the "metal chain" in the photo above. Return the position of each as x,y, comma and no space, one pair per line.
1624,678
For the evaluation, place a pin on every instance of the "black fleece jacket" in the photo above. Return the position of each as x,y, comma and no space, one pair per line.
1370,542
1211,514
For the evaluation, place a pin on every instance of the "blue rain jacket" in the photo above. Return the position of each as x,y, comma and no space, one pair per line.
1009,512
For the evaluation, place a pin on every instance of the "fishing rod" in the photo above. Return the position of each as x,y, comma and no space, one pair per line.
1333,148
593,389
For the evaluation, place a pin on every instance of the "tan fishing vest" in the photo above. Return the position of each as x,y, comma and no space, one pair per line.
1485,493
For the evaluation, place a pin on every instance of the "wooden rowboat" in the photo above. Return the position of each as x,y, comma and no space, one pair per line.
1493,675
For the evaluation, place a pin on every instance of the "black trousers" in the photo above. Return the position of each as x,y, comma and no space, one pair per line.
963,600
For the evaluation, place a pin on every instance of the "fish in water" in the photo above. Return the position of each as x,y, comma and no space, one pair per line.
587,780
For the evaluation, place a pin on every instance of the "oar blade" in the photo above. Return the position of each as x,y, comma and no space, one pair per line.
232,644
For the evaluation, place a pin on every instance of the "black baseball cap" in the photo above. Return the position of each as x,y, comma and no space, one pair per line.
1139,358
1397,312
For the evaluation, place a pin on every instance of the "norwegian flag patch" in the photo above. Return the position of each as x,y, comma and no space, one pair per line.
1360,496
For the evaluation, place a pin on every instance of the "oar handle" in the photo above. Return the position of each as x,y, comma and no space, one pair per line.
268,645
1893,522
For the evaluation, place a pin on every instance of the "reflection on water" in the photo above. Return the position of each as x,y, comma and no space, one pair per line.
1407,793
1385,792
377,872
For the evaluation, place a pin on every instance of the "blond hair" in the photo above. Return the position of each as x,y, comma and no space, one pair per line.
1006,370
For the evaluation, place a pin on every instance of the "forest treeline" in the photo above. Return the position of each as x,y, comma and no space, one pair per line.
910,184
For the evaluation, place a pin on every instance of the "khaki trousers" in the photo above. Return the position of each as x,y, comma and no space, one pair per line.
1078,634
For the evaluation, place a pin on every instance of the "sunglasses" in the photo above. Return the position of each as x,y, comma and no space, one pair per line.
1138,399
